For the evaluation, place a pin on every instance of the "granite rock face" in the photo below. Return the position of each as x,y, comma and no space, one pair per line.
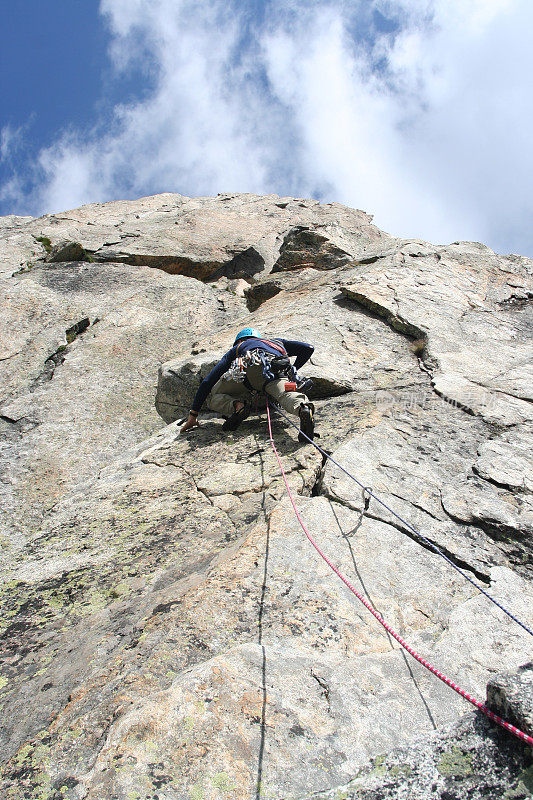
166,629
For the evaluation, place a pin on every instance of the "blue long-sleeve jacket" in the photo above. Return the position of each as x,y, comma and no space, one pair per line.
301,350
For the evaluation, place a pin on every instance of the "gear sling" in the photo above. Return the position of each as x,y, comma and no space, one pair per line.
273,367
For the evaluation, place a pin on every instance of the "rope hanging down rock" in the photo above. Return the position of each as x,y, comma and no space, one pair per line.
462,692
422,538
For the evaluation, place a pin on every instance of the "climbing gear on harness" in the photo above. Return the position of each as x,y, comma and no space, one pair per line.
233,422
304,385
307,422
237,370
464,694
247,333
273,366
290,386
408,525
280,366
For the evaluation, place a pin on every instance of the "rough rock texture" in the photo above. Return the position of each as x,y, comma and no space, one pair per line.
511,696
166,630
470,759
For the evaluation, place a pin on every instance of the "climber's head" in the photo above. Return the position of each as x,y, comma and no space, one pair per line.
247,333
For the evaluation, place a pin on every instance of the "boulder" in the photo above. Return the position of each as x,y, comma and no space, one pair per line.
67,251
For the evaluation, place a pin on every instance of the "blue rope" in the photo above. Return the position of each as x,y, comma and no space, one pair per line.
407,524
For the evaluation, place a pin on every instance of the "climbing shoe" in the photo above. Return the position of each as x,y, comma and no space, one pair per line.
307,422
233,422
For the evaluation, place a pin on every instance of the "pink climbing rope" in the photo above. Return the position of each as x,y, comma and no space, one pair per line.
482,707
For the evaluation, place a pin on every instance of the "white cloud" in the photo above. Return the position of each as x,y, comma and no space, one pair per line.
423,122
11,140
6,140
472,136
202,130
435,144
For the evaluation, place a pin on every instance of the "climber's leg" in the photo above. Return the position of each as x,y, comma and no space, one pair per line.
225,394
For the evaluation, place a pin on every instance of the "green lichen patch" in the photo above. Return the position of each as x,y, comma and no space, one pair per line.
197,792
26,267
135,545
223,782
46,243
381,769
28,772
527,778
455,763
378,765
400,770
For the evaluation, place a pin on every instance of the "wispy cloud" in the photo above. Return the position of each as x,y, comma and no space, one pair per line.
418,111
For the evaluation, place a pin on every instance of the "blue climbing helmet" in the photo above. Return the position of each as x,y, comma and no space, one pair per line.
246,333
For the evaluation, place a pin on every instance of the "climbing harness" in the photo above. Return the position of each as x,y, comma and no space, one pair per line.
238,367
462,692
422,538
273,365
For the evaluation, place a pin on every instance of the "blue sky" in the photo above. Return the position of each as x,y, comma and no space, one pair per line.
52,61
56,75
417,111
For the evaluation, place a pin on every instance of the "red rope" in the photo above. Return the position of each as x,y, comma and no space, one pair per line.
490,714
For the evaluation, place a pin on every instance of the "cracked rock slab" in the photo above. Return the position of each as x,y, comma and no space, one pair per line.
452,297
505,460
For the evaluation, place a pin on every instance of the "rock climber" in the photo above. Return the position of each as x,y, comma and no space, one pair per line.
256,365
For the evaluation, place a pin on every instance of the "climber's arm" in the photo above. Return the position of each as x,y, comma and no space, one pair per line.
206,386
301,350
